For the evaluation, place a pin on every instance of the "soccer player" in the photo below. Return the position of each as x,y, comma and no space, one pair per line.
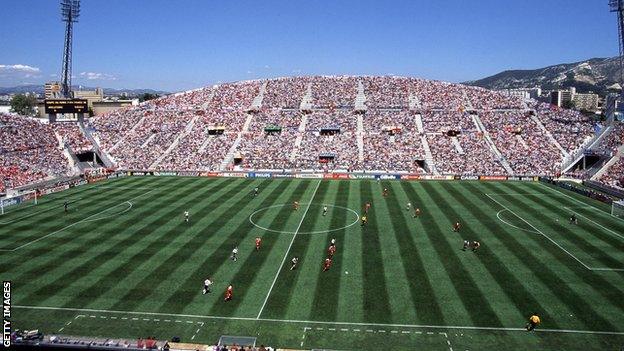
324,210
573,219
326,264
409,206
229,293
466,244
186,216
534,320
475,245
364,220
332,242
258,243
367,207
234,256
385,192
456,226
416,212
207,285
331,251
293,263
65,206
255,191
296,205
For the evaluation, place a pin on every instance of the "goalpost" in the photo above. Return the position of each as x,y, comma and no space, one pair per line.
29,196
617,209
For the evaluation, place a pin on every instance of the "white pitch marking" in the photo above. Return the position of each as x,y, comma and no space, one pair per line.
598,224
573,199
511,225
540,232
76,223
287,251
298,321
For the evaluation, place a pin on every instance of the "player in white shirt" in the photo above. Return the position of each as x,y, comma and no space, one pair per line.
324,210
186,216
293,263
409,206
255,191
235,254
207,285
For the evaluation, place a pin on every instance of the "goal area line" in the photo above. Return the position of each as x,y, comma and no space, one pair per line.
296,321
537,231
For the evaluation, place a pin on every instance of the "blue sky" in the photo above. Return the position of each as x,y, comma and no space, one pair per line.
178,45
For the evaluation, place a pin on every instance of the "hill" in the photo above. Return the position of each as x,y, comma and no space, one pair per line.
596,74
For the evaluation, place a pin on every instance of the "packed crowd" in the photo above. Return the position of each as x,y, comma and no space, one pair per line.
386,92
570,128
206,144
70,134
522,142
334,92
205,124
464,154
483,99
285,93
614,176
29,152
392,142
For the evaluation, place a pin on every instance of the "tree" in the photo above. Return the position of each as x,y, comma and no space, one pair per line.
148,96
24,104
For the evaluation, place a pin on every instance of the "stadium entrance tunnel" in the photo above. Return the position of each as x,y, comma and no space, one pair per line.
263,218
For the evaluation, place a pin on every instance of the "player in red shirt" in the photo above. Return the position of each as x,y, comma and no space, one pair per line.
326,264
228,293
331,251
417,212
367,207
258,243
456,226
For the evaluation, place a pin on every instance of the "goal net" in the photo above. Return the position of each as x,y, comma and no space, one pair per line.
617,209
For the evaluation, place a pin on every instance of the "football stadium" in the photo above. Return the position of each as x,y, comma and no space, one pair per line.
313,212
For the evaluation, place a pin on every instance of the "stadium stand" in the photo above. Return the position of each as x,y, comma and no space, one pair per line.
410,125
29,152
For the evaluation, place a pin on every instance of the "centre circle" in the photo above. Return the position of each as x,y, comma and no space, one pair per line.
306,210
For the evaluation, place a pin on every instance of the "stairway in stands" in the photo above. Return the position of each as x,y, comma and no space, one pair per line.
175,142
457,145
230,155
257,101
486,135
360,137
550,137
360,98
619,154
414,102
127,133
299,139
306,101
428,155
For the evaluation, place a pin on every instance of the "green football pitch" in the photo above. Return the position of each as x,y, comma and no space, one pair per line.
122,262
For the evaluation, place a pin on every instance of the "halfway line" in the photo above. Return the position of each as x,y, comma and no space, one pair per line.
287,251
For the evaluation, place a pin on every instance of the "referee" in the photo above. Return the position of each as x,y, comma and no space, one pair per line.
534,320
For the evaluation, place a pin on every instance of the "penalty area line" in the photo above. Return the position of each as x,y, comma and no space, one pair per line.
540,232
288,250
295,321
